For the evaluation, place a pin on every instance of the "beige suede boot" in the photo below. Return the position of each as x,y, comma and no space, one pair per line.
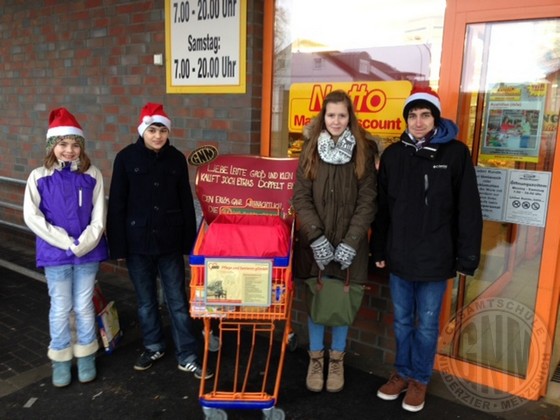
335,378
315,379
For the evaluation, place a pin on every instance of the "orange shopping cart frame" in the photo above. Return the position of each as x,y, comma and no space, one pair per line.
248,185
239,391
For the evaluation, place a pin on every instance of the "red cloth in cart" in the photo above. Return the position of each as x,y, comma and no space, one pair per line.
240,235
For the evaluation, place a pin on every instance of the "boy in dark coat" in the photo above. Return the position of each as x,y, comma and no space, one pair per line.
152,224
428,228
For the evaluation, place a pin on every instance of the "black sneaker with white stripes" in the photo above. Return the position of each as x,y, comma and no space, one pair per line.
195,367
147,358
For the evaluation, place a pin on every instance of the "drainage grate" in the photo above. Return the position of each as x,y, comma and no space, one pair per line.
556,375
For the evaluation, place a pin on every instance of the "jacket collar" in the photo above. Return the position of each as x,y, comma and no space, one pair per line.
428,152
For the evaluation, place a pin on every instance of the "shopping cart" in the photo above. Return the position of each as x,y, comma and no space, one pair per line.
247,294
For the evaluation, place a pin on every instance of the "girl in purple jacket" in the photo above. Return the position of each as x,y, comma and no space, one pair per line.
64,205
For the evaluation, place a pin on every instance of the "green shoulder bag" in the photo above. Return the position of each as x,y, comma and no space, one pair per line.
333,302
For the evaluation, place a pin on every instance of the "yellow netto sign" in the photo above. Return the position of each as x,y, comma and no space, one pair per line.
378,105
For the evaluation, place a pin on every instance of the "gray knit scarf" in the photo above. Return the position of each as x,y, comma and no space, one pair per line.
337,153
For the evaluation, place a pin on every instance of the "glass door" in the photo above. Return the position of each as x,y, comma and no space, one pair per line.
508,110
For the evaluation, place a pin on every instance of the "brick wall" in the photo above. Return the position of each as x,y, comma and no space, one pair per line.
95,57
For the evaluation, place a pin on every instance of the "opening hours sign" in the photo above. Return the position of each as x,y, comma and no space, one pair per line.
205,46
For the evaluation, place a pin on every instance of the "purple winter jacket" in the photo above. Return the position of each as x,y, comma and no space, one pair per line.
66,209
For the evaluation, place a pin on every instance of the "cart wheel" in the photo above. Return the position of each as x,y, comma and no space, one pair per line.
273,414
214,414
292,342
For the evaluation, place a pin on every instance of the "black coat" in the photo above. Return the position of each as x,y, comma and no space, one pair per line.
151,210
429,220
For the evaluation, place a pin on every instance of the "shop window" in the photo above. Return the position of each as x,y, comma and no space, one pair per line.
362,48
508,110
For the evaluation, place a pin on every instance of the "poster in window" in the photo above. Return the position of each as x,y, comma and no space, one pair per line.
513,122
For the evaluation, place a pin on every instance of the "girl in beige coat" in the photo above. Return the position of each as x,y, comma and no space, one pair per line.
334,198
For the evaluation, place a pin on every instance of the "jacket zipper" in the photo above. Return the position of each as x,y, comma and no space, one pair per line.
80,197
426,186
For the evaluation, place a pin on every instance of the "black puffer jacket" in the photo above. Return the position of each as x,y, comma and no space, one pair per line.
429,220
151,209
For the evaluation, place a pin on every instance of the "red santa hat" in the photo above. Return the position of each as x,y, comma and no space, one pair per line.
152,113
63,123
423,96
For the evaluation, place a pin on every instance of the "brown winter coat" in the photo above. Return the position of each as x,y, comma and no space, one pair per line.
341,207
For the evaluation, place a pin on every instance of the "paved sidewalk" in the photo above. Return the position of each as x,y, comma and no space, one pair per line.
164,392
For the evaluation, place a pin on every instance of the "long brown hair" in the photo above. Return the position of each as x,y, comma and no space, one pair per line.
51,160
310,155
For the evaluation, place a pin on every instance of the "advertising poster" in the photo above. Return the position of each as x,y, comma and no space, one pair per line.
378,105
238,282
513,122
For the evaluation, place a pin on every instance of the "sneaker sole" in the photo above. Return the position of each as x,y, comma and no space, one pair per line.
388,397
412,408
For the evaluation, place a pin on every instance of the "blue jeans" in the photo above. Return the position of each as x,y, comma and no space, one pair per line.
71,288
143,271
417,306
317,336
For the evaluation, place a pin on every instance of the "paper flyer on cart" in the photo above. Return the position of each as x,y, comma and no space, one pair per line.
244,282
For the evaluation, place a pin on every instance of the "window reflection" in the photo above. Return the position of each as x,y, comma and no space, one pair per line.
325,41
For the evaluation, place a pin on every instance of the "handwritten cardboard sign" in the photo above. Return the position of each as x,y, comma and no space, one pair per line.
244,181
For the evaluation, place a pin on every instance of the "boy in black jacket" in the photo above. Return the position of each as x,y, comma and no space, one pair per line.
151,223
428,227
